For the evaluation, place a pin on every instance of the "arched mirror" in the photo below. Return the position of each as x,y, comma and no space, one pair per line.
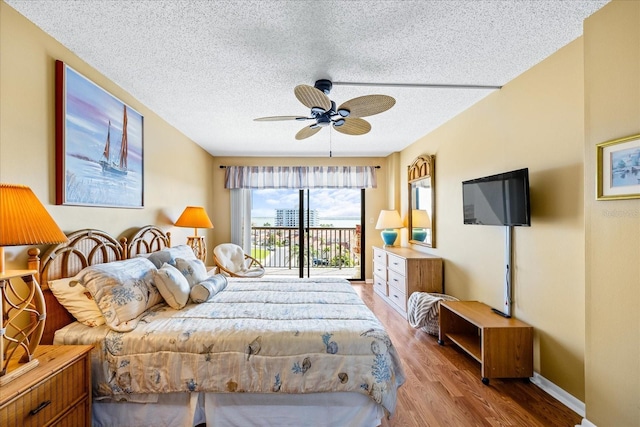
422,201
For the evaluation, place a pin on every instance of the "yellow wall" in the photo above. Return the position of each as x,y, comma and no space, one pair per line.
375,198
535,121
177,171
612,358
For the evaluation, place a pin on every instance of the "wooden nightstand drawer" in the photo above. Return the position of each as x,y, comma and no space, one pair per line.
77,416
56,392
397,264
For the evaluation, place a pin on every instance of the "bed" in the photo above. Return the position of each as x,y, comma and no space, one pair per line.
260,352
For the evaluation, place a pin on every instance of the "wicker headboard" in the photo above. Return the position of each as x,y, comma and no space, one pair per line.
85,248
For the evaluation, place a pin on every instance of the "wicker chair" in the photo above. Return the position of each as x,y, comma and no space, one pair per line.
231,260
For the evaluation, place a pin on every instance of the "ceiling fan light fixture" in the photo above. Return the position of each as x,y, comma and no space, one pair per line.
338,122
317,110
344,112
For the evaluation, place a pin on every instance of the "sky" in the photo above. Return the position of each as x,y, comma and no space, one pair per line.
330,203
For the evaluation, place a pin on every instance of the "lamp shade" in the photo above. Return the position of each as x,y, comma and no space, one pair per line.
389,219
23,219
420,219
194,216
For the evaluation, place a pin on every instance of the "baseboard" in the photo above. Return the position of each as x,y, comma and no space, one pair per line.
562,396
369,281
586,423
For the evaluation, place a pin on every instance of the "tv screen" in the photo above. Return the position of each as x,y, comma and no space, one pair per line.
501,199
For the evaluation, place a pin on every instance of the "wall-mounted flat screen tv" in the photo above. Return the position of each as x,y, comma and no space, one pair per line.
501,199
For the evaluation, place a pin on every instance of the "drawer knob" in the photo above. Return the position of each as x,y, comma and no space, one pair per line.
40,407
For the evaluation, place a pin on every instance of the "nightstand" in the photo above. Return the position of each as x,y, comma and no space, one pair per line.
55,393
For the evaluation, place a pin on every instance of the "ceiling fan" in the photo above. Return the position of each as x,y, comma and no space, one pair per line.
347,118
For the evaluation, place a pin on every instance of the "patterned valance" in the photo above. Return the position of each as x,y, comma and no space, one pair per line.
300,177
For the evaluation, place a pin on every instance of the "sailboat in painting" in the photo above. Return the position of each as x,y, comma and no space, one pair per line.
119,168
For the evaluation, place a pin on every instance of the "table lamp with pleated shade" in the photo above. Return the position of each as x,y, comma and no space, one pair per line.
420,223
196,217
23,221
388,222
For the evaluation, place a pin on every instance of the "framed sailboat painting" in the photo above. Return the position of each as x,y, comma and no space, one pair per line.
99,145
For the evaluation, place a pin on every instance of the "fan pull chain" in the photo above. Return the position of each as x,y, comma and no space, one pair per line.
330,141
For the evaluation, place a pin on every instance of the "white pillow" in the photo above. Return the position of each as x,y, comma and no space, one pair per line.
193,269
169,255
123,290
173,286
77,300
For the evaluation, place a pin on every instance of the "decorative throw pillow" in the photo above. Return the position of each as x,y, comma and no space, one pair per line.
206,289
173,286
123,290
169,255
193,269
77,300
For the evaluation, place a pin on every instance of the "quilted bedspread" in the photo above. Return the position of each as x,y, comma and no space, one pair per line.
270,335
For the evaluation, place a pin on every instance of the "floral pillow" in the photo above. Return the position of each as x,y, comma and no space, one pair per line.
77,300
173,286
123,290
169,255
205,290
193,269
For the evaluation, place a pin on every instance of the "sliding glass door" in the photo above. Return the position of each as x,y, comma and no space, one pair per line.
308,233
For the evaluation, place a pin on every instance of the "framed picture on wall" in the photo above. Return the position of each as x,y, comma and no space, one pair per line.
99,145
619,168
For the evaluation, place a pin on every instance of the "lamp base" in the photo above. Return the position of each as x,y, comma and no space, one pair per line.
419,234
199,247
15,372
389,236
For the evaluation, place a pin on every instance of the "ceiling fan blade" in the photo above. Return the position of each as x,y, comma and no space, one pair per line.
367,105
312,97
307,131
279,118
354,126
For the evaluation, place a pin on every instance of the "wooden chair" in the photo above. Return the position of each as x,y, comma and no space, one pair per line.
231,260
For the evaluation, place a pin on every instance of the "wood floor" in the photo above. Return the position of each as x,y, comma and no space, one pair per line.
443,386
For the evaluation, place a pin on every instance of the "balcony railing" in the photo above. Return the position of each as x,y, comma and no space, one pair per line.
325,247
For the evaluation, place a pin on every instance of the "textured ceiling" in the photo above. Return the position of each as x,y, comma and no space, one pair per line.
210,67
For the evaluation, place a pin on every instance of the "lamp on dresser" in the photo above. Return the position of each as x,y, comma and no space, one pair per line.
196,217
23,221
420,223
388,222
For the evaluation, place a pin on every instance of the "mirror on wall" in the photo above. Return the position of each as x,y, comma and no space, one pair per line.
422,201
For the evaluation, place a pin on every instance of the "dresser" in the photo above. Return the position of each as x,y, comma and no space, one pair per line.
55,393
399,272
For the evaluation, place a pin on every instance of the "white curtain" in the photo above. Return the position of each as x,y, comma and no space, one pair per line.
300,177
241,179
241,218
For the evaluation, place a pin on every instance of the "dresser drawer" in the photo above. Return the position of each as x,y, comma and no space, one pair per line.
380,285
397,264
380,270
398,281
399,298
379,257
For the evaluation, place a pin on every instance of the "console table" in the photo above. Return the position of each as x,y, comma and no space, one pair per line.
503,346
